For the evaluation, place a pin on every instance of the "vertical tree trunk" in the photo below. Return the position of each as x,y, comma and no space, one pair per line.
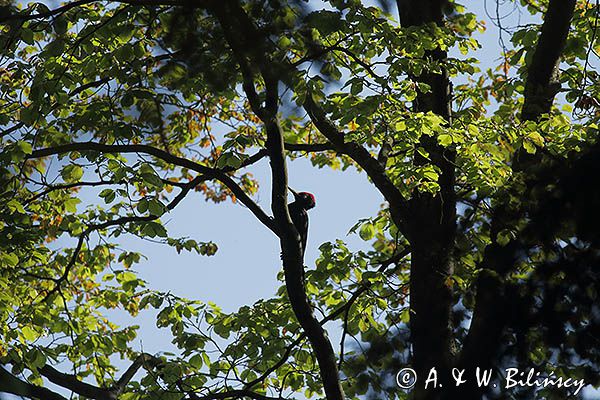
432,226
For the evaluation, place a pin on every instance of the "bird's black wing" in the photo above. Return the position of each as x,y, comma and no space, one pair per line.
300,219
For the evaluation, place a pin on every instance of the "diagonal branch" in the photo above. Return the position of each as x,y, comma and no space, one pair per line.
209,173
375,171
88,85
141,361
12,129
72,383
342,309
543,83
13,385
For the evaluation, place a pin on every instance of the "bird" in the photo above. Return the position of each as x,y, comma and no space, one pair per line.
303,202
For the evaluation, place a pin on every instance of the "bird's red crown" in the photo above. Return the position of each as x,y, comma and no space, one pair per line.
308,199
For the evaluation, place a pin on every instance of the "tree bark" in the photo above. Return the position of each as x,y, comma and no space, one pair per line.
432,225
542,83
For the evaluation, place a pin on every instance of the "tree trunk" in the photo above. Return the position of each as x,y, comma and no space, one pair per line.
431,227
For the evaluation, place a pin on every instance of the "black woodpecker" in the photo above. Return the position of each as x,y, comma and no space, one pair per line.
303,201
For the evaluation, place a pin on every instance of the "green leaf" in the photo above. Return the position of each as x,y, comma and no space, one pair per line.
367,231
27,36
14,206
529,147
196,361
156,207
71,173
108,195
536,138
142,206
28,115
151,179
400,126
9,259
55,48
126,276
29,333
37,358
430,174
445,140
71,204
25,147
505,236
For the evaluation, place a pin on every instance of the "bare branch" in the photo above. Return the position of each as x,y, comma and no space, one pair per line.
12,129
542,79
310,147
13,385
88,85
140,361
72,383
65,186
259,155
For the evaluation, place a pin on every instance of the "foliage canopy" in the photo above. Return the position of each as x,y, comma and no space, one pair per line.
491,214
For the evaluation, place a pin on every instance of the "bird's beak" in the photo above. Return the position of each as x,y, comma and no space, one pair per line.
293,192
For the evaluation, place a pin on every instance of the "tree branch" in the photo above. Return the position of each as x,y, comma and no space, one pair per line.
65,186
74,4
259,155
11,129
542,79
88,85
238,394
309,147
140,361
208,173
375,171
72,383
13,385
